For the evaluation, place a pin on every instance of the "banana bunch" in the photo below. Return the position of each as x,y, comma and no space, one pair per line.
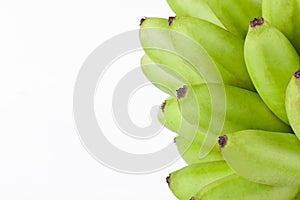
232,70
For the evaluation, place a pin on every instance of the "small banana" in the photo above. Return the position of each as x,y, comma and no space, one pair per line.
292,103
270,59
237,188
156,42
194,8
185,182
271,158
159,77
218,109
191,40
189,150
284,15
235,14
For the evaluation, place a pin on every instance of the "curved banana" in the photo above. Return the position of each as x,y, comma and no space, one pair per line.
189,150
292,103
156,42
284,15
191,40
235,15
270,60
271,158
188,180
237,188
194,8
159,77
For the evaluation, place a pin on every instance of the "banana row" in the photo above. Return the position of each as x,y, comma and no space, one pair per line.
234,91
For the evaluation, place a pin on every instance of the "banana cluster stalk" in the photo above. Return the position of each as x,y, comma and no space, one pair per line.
232,71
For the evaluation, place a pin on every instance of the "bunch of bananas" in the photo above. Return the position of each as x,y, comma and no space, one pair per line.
234,91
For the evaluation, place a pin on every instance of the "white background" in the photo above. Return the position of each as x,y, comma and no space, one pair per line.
43,45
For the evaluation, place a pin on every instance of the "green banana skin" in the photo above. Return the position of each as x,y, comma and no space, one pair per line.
235,15
284,15
230,63
194,8
270,60
237,188
189,150
159,77
156,42
187,181
270,158
292,103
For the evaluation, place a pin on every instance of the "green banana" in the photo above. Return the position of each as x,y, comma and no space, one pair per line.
284,15
159,77
271,158
156,42
191,39
292,103
235,15
270,60
237,188
218,109
186,182
194,8
189,150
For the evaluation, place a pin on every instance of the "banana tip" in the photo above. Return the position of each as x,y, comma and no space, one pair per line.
168,179
142,20
163,105
297,74
257,22
193,198
181,92
222,141
171,19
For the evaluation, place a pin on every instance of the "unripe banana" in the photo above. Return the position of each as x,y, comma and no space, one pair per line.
271,158
191,40
284,15
185,182
270,59
292,103
189,150
235,15
237,188
218,109
194,8
156,42
159,77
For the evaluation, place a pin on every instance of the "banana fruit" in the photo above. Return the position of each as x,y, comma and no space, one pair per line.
185,182
237,188
270,59
292,103
270,158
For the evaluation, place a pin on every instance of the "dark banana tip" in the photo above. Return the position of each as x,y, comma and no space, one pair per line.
257,22
168,179
163,105
181,92
171,19
297,74
142,20
193,198
222,141
174,140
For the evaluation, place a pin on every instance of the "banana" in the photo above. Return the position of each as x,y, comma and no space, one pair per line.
156,42
189,150
187,181
271,158
284,15
235,15
218,109
237,188
270,60
292,103
192,41
159,77
194,8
